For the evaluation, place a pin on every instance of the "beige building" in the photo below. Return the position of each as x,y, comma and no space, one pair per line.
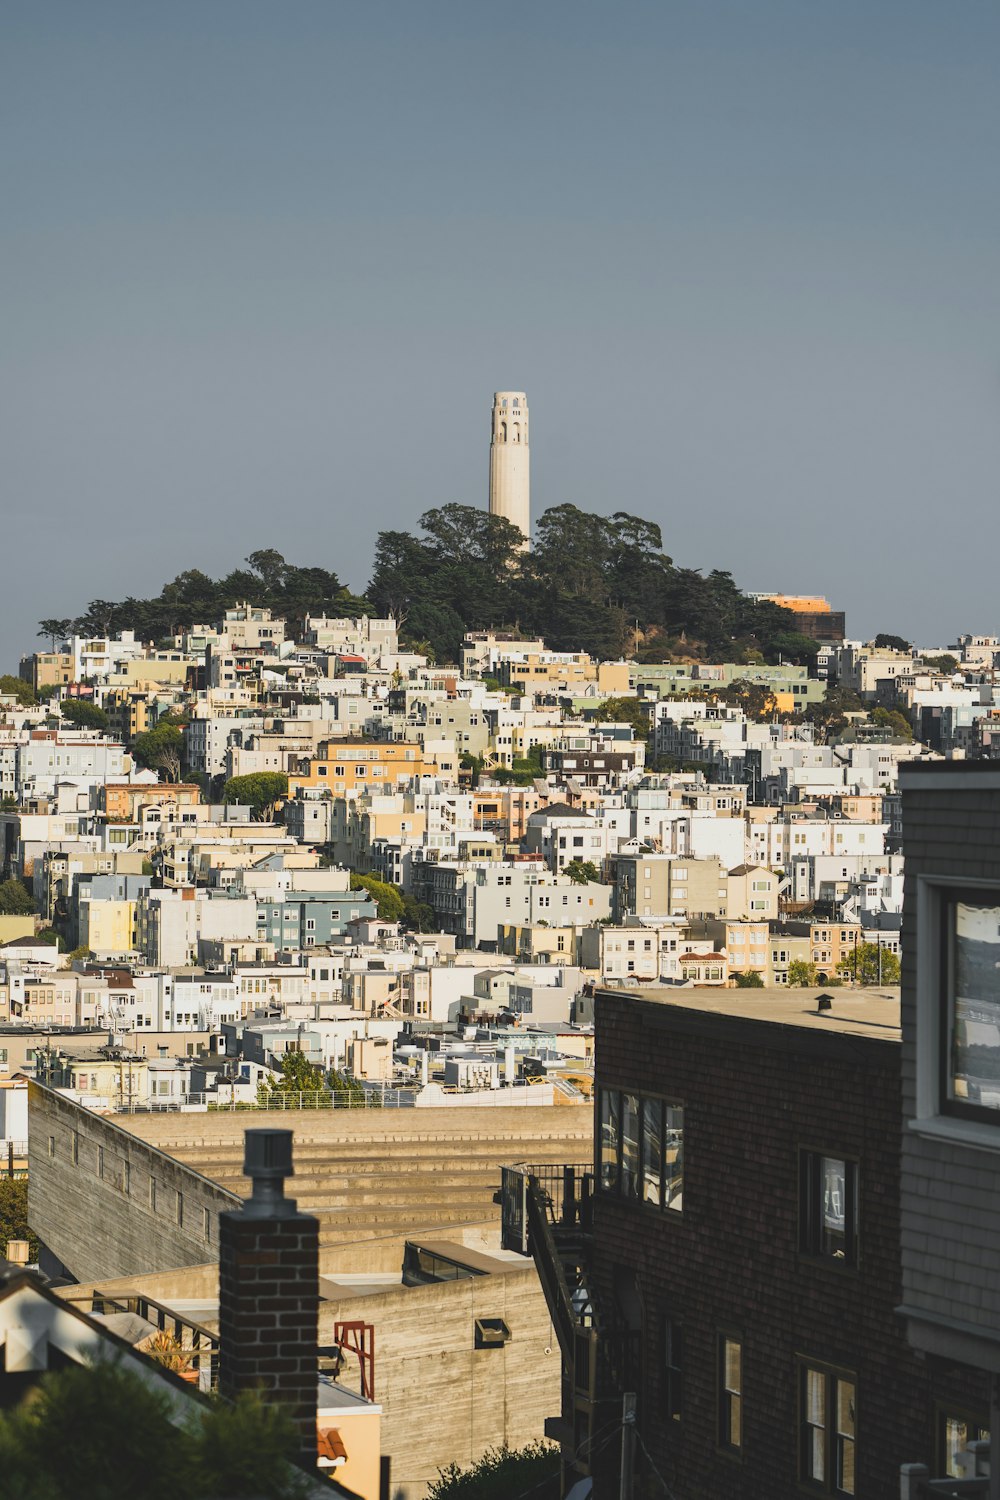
663,885
537,943
752,893
45,669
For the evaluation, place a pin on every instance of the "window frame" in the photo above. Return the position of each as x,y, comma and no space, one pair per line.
609,1177
811,1160
957,1411
948,900
724,1395
930,1116
835,1376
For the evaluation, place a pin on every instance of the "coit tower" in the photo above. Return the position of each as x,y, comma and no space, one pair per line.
510,486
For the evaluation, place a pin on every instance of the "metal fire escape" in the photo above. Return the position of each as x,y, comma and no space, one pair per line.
547,1214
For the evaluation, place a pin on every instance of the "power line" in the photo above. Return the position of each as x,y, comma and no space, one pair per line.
612,1430
649,1459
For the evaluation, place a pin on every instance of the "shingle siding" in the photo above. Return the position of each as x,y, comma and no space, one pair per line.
950,1192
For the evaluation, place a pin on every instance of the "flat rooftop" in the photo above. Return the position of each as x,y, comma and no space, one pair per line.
859,1012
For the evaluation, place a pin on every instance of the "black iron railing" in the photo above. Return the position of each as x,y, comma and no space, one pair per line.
192,1349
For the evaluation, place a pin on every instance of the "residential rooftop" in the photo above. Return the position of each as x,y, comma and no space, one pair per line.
859,1012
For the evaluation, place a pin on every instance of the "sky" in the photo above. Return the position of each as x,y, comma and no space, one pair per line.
262,267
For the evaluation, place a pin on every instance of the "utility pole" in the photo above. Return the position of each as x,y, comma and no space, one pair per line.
628,1446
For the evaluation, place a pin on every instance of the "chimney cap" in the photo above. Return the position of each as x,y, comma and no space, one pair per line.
267,1154
825,1002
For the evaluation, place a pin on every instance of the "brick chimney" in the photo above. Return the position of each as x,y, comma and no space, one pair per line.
269,1290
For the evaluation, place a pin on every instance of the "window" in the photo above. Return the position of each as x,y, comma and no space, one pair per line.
206,1223
673,1369
100,1161
75,1150
152,1194
970,954
827,1420
730,1393
641,1148
828,1207
608,1145
955,1431
629,1178
180,1210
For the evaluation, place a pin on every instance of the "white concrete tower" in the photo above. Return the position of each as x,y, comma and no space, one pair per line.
510,484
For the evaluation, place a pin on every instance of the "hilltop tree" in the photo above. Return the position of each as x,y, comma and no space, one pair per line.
56,630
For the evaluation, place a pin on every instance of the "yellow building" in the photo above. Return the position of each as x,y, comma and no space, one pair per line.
108,927
130,712
613,678
345,766
547,672
12,928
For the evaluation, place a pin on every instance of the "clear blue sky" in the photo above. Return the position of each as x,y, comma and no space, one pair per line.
263,266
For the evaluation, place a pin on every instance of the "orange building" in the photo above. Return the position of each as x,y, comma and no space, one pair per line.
123,800
346,766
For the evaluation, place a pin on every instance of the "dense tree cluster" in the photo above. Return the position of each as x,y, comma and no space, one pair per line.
261,791
193,598
590,583
593,583
83,715
395,905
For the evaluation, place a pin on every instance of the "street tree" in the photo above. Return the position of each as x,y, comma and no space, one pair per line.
261,791
15,899
160,750
870,963
83,714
